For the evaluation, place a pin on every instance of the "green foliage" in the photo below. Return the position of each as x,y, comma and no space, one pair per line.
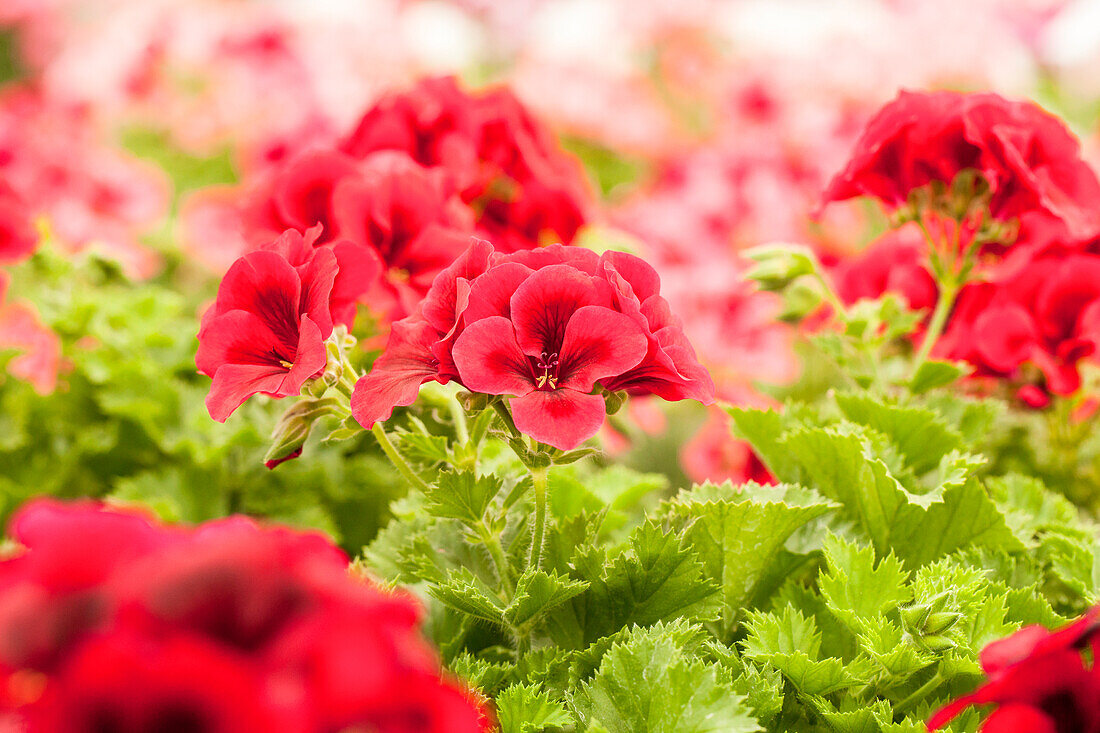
128,422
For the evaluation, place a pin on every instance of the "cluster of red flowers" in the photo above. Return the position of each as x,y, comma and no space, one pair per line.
1035,311
375,220
1039,682
544,327
423,170
110,621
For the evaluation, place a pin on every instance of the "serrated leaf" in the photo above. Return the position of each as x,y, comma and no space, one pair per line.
1029,507
919,433
657,576
647,684
855,588
529,709
485,675
423,448
932,374
537,592
463,592
737,539
764,429
461,495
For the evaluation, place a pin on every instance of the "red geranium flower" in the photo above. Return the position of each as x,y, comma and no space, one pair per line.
230,626
1039,681
558,341
525,188
266,331
1030,161
408,219
544,327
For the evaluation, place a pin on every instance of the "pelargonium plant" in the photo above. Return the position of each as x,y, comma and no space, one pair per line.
482,394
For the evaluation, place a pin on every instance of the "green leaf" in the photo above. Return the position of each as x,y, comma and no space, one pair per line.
738,538
921,436
529,709
482,674
918,528
932,374
466,593
790,642
764,429
461,495
647,684
1029,507
656,577
537,592
857,590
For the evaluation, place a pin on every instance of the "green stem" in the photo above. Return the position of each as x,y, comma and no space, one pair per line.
396,458
539,476
948,290
920,693
839,309
496,552
502,410
462,432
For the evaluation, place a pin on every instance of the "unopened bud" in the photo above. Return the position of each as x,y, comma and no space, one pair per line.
778,266
939,622
613,401
293,427
800,300
473,402
915,617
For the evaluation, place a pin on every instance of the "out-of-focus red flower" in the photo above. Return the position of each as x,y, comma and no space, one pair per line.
505,163
1039,681
39,360
17,235
896,264
230,626
57,168
125,682
266,331
715,455
1046,314
543,327
408,218
1029,159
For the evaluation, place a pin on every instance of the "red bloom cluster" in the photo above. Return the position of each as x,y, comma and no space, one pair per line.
1042,309
1029,159
1034,314
109,621
1039,682
544,327
406,189
501,160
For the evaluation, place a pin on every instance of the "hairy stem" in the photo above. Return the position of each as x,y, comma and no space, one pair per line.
948,290
496,553
540,478
396,458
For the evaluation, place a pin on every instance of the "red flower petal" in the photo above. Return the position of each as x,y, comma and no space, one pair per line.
563,418
544,303
489,359
396,376
598,343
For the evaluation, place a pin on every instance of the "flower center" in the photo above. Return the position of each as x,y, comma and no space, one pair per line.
548,380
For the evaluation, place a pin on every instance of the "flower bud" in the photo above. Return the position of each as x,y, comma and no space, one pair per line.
779,266
293,428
